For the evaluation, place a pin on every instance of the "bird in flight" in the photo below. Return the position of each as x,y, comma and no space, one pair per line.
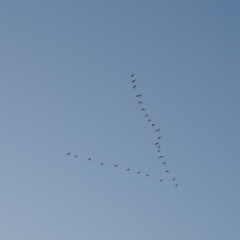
139,95
161,180
153,125
167,171
143,109
147,116
140,102
159,151
164,162
75,156
159,146
176,185
68,153
149,120
89,159
147,175
160,156
134,86
174,179
156,143
133,81
128,169
158,130
159,137
132,75
101,164
116,165
138,172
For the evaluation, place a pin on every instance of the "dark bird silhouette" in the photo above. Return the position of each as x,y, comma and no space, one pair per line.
116,165
133,81
149,120
158,130
147,175
128,169
153,125
161,157
174,179
159,146
143,109
159,151
75,156
89,159
134,86
146,115
138,172
156,143
139,95
159,137
164,162
140,102
167,171
132,75
176,185
101,164
161,180
68,153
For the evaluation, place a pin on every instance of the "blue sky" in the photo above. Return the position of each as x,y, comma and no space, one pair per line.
66,87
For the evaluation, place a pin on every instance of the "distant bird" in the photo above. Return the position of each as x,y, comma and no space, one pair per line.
146,115
167,171
176,185
159,137
139,95
140,102
116,165
160,156
138,172
149,120
128,169
158,130
133,81
156,143
89,159
159,146
143,109
161,180
101,164
147,175
174,179
159,151
153,125
132,75
75,156
164,162
68,153
134,86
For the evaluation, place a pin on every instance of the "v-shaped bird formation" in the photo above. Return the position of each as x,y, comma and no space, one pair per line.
157,144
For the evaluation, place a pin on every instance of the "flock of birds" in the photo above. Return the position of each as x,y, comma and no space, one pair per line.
157,144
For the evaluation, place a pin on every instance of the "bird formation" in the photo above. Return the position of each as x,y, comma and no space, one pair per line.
157,144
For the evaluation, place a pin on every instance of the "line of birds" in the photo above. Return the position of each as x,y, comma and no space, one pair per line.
157,144
116,165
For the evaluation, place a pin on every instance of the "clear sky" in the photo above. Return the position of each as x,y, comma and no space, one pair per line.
65,86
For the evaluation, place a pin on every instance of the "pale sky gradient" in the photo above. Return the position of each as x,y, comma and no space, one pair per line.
65,86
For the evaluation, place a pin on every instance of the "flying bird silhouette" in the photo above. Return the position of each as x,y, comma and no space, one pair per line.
153,125
174,179
89,159
147,175
134,86
146,115
156,143
101,164
161,180
68,153
176,185
75,156
128,169
158,130
139,95
149,120
159,151
164,162
140,102
143,109
167,171
138,172
132,75
116,165
161,157
133,81
159,137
